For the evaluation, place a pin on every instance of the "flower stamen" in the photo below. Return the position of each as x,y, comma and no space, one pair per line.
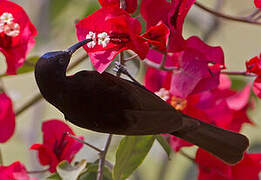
178,103
92,36
12,29
103,39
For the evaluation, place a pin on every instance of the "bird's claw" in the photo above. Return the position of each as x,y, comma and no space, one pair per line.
119,68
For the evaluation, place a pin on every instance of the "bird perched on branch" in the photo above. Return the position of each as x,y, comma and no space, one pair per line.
109,104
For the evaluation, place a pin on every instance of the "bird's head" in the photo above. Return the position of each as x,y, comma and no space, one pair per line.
57,61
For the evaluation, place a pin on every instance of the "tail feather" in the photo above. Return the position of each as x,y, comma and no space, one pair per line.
226,145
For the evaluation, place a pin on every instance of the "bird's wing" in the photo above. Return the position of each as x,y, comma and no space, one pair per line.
115,105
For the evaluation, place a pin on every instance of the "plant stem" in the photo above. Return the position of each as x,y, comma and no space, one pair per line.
239,73
228,17
87,144
102,158
38,97
37,171
158,66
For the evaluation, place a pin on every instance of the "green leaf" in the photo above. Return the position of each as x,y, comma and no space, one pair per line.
130,154
164,144
91,172
54,176
68,172
1,158
28,65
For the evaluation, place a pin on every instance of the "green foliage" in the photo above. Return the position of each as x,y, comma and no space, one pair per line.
164,144
91,172
130,154
28,65
68,172
54,176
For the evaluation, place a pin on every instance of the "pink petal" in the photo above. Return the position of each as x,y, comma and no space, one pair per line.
7,118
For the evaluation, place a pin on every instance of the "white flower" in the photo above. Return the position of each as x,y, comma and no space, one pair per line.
12,29
163,94
103,39
92,36
6,18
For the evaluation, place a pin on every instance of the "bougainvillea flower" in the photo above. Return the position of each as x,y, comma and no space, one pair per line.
223,107
254,65
257,3
257,86
57,146
16,35
15,171
200,67
212,168
130,5
172,14
155,11
157,36
122,30
7,118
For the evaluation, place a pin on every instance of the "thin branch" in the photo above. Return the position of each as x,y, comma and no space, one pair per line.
102,158
215,23
157,66
254,13
225,16
84,142
38,97
38,171
131,57
239,73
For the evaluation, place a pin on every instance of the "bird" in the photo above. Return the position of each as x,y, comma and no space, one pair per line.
106,103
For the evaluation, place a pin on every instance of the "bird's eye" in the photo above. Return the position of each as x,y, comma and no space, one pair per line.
62,60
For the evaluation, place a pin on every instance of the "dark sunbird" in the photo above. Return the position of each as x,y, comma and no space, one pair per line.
109,104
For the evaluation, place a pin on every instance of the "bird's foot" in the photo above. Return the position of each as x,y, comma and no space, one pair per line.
119,68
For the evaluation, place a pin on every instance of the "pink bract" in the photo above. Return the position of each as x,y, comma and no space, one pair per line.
16,48
122,29
7,118
57,146
212,168
15,171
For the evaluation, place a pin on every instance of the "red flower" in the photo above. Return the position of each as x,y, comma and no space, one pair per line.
131,5
16,35
257,3
157,36
155,11
254,65
172,14
15,171
223,107
212,168
119,32
7,118
199,66
57,146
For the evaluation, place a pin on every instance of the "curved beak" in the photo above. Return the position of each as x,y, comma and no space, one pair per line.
76,46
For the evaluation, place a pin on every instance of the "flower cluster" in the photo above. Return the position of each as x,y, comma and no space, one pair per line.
8,26
103,39
16,35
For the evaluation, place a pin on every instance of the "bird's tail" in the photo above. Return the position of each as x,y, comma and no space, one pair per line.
226,145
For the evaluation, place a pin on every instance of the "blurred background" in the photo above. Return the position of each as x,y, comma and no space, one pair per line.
55,21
